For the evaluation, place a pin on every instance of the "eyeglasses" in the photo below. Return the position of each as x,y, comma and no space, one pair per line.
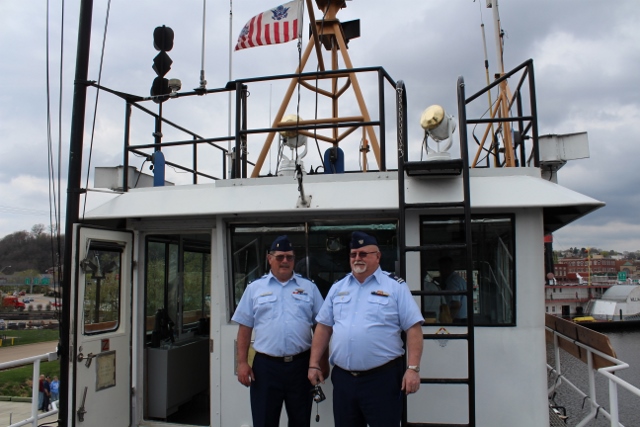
281,258
361,254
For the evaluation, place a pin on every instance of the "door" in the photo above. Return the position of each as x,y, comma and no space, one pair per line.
101,294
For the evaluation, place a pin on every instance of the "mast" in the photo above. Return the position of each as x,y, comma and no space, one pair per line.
73,199
493,4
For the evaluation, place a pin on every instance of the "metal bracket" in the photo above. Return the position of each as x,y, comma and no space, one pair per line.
81,411
304,202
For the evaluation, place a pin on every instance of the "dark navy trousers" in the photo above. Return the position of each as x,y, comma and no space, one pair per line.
373,399
277,382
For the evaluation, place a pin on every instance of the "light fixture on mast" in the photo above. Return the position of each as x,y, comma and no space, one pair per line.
293,140
440,126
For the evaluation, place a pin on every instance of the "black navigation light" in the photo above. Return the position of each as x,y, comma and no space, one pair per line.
162,42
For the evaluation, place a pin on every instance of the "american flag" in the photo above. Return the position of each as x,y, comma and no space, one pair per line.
277,25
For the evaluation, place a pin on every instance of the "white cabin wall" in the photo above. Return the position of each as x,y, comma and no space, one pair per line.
137,332
513,359
510,362
218,316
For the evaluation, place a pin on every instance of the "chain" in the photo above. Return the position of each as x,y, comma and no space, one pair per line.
399,91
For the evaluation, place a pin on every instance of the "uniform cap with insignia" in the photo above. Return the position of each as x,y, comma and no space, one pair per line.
282,244
360,239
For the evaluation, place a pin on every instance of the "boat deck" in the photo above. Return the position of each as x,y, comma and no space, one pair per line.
555,420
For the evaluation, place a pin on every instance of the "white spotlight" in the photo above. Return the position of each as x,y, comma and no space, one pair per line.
293,140
440,127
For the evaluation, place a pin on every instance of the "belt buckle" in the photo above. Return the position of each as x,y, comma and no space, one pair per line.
288,358
355,373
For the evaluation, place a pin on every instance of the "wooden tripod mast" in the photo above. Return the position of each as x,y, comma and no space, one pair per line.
328,33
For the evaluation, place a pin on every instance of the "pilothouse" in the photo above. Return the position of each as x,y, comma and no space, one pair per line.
156,273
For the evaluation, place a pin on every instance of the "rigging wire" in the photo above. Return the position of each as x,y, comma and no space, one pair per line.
315,130
298,86
54,188
95,107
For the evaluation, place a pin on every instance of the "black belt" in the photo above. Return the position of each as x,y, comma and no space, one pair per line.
304,354
387,365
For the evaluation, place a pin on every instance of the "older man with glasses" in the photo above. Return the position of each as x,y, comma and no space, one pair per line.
365,313
280,307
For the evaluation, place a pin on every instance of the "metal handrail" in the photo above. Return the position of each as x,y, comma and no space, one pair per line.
607,372
35,360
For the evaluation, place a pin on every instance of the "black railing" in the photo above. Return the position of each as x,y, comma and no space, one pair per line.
241,131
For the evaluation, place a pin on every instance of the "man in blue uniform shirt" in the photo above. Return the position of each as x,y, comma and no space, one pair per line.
451,281
280,306
365,313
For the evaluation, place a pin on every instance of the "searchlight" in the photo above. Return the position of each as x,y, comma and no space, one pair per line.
440,126
294,141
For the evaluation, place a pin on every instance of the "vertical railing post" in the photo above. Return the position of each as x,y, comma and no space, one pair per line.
556,349
613,404
35,389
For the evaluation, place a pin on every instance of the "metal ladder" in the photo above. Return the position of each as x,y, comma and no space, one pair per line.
439,169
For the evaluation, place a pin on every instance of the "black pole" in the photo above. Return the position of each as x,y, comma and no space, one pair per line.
73,200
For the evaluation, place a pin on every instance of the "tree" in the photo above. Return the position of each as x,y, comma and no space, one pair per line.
37,229
34,250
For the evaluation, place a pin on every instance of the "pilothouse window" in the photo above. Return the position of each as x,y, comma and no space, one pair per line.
102,287
493,270
321,250
178,271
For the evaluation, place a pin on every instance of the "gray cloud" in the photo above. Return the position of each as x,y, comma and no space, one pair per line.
585,54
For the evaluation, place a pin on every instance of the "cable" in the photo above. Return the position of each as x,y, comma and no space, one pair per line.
55,236
95,107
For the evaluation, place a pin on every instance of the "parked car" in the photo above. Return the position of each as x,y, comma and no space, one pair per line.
3,325
26,300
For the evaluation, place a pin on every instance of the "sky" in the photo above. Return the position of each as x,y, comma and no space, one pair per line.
586,55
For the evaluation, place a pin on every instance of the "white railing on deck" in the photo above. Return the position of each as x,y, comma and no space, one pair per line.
608,372
35,360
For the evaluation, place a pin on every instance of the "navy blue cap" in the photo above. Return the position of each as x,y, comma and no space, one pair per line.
281,243
360,239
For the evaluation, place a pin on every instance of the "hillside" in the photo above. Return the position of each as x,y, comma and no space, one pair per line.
29,250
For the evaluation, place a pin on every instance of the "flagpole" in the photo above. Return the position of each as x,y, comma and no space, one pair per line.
230,159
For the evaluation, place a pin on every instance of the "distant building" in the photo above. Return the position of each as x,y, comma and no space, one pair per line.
567,268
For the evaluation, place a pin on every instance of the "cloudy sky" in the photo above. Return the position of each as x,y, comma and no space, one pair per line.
586,55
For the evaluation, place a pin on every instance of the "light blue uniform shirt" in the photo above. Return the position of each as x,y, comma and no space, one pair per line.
367,320
281,314
456,283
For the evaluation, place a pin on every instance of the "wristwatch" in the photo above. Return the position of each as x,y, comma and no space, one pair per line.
414,368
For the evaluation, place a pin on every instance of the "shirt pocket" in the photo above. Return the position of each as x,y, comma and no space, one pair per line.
303,305
341,304
265,306
379,309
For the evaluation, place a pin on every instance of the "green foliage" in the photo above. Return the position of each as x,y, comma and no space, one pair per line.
17,381
32,336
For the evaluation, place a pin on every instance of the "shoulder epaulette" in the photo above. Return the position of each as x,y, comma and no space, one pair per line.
394,277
